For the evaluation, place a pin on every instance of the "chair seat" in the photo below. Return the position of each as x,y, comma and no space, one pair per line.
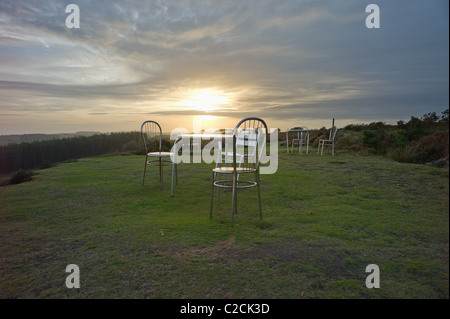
230,154
159,154
230,170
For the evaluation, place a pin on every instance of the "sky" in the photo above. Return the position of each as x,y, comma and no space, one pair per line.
214,62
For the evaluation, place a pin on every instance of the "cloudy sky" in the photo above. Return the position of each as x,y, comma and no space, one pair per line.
290,62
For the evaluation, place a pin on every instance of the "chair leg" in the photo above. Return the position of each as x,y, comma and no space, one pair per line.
212,195
322,148
332,149
174,173
218,192
259,194
287,144
234,199
161,167
145,168
218,165
307,145
318,149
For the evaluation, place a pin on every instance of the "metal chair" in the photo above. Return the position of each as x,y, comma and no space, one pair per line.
152,136
302,139
249,141
225,158
329,141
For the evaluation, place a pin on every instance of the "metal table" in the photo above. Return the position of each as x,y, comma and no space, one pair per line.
194,137
300,133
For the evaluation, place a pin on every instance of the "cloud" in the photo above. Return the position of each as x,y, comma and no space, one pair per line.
280,59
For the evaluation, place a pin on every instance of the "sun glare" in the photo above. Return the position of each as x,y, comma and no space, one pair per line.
205,117
207,100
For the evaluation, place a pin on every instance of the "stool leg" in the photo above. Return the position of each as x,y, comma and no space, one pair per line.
234,198
259,194
212,195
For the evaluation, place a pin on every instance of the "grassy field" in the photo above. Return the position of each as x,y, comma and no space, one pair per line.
325,219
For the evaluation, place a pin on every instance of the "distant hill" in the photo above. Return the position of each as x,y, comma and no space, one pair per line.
28,138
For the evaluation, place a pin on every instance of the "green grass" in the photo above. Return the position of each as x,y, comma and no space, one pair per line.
325,220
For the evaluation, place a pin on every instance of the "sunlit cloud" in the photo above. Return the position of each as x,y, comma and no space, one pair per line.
286,61
207,100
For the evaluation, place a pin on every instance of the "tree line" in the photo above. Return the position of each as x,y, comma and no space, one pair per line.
44,153
418,140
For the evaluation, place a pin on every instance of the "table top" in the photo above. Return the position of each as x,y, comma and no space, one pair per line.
204,135
299,130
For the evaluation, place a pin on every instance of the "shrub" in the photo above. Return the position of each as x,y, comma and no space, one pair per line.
355,127
372,139
45,164
431,147
414,129
376,126
20,176
350,142
398,138
402,155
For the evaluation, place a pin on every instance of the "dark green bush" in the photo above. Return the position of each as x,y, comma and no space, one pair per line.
356,127
414,129
398,138
349,141
373,139
45,164
431,147
20,176
376,126
419,140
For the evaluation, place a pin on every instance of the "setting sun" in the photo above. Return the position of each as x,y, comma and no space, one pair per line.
207,100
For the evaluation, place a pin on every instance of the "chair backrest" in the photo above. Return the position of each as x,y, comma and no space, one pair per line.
333,131
152,136
250,136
